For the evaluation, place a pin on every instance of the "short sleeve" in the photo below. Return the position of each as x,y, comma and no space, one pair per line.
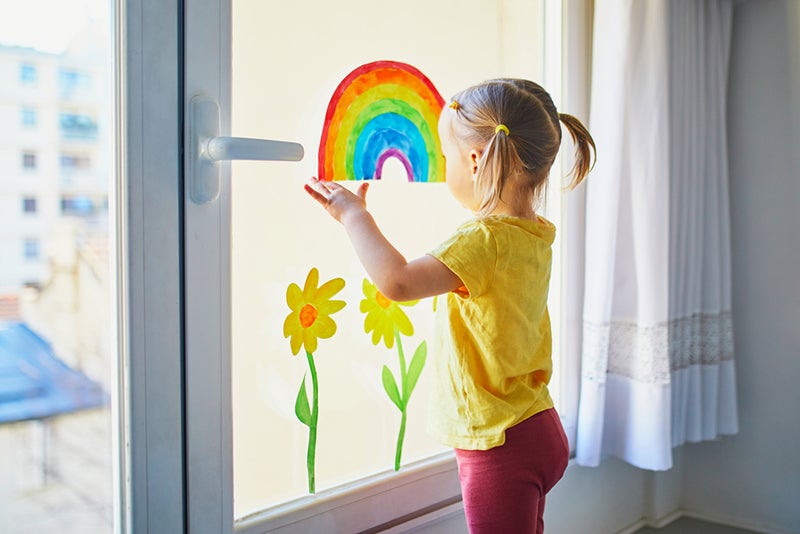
471,253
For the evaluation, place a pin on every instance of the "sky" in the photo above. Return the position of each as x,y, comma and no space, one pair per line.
47,25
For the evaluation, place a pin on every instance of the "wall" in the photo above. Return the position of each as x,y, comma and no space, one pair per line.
755,477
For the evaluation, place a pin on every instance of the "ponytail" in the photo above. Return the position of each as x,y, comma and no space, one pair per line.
498,162
585,150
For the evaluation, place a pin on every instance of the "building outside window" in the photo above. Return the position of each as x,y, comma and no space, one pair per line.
56,269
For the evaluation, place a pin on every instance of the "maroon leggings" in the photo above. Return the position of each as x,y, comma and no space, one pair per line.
504,488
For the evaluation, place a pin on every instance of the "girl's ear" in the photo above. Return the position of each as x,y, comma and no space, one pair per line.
474,158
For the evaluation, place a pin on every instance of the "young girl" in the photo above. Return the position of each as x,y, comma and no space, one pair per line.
492,359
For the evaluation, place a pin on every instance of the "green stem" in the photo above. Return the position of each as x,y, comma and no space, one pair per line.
400,436
403,379
312,429
402,357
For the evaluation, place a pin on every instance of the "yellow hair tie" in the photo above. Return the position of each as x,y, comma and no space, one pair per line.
501,128
455,105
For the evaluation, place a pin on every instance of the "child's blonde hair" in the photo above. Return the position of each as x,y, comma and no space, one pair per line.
526,148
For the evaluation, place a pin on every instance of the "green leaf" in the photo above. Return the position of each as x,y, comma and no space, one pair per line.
415,369
301,408
390,386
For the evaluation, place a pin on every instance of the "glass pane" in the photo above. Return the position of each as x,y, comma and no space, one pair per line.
287,65
56,320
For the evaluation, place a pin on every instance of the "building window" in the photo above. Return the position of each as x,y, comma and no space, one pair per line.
29,160
78,126
77,206
71,81
31,249
29,205
75,161
27,73
29,117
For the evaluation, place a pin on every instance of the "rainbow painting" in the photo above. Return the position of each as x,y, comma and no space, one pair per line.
382,110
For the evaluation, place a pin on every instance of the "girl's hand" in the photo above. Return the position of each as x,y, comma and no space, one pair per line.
396,278
339,201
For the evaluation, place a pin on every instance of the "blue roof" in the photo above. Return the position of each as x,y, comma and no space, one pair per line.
34,383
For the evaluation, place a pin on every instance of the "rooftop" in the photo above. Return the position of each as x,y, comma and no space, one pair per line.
35,383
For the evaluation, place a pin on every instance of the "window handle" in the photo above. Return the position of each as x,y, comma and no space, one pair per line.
208,149
230,148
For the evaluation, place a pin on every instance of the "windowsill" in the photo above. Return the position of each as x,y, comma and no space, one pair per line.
372,504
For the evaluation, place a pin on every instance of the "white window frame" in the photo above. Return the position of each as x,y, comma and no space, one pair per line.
146,211
574,73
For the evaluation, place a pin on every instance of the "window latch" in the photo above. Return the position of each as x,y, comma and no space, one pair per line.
209,149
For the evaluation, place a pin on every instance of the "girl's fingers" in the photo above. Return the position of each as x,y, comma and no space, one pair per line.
312,189
329,194
362,190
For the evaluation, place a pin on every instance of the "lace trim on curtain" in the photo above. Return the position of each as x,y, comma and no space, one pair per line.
650,353
626,349
701,339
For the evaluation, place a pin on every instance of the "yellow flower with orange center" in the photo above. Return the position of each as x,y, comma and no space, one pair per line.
311,310
384,315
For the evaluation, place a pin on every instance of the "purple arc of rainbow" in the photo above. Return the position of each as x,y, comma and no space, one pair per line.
393,153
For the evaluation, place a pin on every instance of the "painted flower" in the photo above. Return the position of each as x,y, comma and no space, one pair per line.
384,315
311,307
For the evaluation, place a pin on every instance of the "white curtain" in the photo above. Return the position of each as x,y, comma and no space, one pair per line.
657,361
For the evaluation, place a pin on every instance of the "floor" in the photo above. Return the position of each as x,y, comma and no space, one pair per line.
687,525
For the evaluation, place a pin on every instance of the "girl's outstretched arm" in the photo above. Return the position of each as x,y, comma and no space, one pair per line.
396,278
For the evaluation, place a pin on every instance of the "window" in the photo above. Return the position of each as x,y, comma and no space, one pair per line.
29,205
29,117
71,81
29,160
254,285
31,249
74,161
28,73
266,257
77,206
78,126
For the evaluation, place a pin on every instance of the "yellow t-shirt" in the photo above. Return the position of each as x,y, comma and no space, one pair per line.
492,353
